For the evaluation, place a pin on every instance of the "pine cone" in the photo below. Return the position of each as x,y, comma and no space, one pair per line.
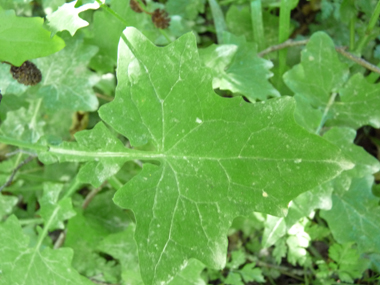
135,6
160,18
27,73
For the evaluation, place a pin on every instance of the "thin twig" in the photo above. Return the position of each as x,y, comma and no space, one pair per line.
281,268
286,44
107,98
9,182
9,154
60,240
92,194
341,50
358,60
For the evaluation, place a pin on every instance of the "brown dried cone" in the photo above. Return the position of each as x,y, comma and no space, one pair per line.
27,73
160,18
135,6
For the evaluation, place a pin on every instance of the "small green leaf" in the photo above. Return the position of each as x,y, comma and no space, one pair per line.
359,104
66,81
251,273
66,17
6,204
236,67
123,247
89,228
24,123
20,264
320,72
233,278
237,259
23,38
351,265
55,212
355,216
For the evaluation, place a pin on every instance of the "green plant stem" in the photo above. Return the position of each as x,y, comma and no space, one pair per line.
163,32
325,112
372,23
26,222
45,230
115,183
112,12
32,123
73,186
92,194
341,50
284,31
294,273
286,44
257,24
22,144
352,33
217,15
358,60
315,252
82,155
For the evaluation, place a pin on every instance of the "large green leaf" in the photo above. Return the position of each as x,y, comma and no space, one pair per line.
355,216
219,158
24,38
21,264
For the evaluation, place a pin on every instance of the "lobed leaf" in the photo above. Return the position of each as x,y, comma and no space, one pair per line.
219,158
67,18
236,67
320,72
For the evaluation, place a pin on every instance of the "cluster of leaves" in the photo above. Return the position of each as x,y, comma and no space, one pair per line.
202,138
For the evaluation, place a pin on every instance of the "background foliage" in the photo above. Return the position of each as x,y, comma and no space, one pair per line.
172,142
